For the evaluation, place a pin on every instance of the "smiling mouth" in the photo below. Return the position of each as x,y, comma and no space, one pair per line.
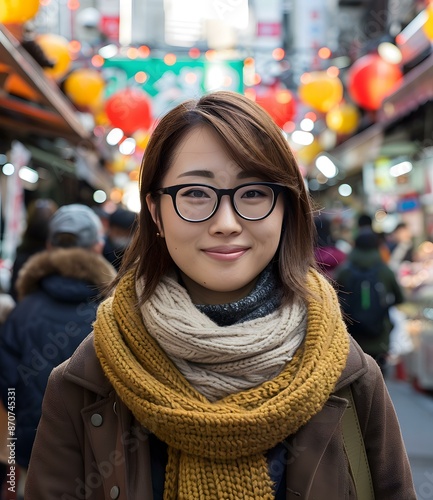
225,254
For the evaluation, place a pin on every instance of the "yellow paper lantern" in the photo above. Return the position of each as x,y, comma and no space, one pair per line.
307,154
343,119
56,48
118,164
17,11
85,87
428,25
100,117
320,91
141,138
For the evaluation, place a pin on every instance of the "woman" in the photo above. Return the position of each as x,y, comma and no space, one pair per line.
212,370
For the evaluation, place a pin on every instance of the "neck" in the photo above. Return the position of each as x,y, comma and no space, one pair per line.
201,295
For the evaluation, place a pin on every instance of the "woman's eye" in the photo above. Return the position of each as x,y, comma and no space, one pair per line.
195,193
253,193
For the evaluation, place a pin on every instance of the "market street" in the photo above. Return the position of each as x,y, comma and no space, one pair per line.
415,413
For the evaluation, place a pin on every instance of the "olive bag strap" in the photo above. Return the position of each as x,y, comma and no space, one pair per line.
355,448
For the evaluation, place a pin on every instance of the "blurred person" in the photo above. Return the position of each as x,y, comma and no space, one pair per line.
222,348
103,217
327,255
367,289
365,226
401,246
344,238
58,291
35,236
7,304
4,451
121,225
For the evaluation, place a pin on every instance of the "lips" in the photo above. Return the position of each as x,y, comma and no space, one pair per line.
226,253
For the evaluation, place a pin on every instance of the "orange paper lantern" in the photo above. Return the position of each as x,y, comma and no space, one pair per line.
17,86
56,48
85,87
321,91
371,79
129,109
18,11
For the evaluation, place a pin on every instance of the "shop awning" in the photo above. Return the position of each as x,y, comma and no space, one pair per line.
359,149
415,90
48,113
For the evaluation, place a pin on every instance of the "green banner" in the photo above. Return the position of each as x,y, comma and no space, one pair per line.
170,84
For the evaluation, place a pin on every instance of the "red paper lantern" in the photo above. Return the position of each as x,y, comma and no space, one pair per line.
371,79
279,103
129,109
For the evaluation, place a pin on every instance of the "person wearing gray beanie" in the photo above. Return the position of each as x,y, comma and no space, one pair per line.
58,290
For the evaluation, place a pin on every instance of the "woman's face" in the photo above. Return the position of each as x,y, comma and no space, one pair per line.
220,258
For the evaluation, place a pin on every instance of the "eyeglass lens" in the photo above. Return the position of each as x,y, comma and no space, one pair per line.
197,203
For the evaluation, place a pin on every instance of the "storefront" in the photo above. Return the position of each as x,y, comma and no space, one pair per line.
35,112
45,149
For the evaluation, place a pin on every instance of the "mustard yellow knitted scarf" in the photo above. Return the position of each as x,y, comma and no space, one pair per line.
217,450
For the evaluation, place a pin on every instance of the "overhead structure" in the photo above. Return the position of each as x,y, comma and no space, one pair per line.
48,112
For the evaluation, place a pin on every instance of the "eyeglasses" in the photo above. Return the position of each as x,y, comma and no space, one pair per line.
199,202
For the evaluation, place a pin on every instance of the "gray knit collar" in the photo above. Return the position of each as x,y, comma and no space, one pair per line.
263,300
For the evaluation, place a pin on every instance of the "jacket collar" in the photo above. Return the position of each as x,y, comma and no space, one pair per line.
84,369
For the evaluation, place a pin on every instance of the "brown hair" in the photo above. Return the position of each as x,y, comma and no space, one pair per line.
256,144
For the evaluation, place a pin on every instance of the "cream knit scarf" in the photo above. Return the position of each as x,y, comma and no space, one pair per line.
217,449
216,360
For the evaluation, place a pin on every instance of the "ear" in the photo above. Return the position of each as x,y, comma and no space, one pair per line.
151,205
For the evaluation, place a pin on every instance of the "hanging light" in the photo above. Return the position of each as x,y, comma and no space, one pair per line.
389,52
326,166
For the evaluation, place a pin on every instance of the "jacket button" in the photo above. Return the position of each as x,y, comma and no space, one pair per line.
96,419
114,492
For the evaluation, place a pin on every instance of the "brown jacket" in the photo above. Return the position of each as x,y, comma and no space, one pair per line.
88,444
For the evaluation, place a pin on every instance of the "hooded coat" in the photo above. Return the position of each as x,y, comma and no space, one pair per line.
59,292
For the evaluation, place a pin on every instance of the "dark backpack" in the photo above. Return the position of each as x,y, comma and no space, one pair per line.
364,299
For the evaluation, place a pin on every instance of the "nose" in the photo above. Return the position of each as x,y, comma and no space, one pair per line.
225,220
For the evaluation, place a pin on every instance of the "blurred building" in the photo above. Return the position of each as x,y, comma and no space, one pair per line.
173,50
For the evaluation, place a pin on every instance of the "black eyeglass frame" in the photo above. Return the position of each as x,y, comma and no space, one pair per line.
173,190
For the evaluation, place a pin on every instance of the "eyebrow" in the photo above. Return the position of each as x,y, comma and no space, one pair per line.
198,173
243,174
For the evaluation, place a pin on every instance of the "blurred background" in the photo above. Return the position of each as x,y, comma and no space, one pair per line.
82,83
349,82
